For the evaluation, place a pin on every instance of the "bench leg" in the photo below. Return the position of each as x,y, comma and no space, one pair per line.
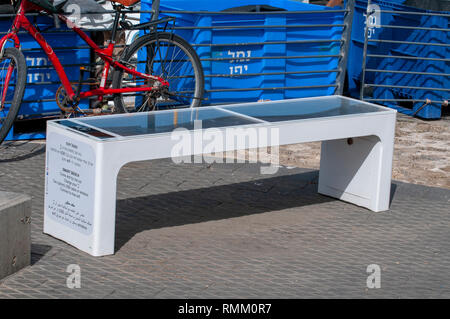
105,210
358,171
80,196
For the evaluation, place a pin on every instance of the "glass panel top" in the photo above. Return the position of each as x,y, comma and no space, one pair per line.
220,116
164,122
306,109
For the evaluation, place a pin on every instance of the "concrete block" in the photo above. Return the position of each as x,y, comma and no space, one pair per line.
15,232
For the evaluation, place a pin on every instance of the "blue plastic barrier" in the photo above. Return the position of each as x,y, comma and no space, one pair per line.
354,68
411,50
240,60
431,111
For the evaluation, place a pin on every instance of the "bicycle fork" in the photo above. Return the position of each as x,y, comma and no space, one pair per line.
7,38
5,88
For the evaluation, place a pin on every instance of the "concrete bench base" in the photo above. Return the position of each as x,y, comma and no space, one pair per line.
15,232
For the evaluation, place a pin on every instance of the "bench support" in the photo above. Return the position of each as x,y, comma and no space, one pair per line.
357,170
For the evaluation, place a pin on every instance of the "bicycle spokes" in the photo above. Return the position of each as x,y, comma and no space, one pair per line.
168,59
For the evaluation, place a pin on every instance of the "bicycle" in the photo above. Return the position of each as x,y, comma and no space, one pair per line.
157,70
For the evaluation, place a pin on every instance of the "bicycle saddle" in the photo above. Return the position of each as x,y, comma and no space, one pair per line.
48,6
126,3
6,9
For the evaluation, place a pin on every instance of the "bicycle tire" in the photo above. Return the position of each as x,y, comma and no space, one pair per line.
159,68
9,111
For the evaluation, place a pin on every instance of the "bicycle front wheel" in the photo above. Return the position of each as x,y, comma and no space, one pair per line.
13,75
165,55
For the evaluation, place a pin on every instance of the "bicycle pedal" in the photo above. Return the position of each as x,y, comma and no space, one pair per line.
102,105
87,69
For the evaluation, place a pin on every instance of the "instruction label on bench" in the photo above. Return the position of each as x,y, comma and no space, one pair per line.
70,182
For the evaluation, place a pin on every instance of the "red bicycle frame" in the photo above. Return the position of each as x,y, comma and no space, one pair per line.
21,21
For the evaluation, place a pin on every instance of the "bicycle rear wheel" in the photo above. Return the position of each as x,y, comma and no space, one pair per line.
165,55
13,75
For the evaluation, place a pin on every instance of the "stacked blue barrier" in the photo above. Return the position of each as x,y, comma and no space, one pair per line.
438,67
437,80
244,50
354,68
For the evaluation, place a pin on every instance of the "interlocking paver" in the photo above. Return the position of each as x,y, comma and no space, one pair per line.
226,231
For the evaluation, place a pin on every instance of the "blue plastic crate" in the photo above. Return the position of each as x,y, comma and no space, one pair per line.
354,68
408,50
240,61
417,80
440,52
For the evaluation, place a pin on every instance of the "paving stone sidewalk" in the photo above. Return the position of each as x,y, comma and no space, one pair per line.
226,231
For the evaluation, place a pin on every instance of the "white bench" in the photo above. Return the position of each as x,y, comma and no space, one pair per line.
84,155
